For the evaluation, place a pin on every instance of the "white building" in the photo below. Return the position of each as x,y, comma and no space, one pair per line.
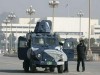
71,26
21,28
96,30
66,26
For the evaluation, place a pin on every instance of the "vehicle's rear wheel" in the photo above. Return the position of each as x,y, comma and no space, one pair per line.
60,68
26,65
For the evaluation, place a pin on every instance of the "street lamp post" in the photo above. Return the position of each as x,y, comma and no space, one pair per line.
67,6
11,16
80,14
30,12
53,4
89,52
6,21
16,40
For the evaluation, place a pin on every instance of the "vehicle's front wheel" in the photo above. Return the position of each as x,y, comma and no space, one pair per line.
32,67
60,68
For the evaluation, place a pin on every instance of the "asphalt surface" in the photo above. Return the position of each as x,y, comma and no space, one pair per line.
13,66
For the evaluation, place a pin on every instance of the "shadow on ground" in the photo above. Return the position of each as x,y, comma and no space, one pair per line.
21,71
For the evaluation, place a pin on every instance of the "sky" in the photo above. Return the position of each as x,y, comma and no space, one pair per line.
65,8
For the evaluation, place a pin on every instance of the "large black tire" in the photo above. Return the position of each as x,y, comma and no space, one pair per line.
26,65
32,66
60,68
66,66
52,69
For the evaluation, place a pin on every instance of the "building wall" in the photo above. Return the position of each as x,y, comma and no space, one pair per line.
97,31
27,20
72,24
18,29
24,20
68,25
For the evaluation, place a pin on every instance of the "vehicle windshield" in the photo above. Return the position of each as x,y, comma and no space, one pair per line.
44,41
50,41
38,41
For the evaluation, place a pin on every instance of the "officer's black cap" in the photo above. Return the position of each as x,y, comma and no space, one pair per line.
81,40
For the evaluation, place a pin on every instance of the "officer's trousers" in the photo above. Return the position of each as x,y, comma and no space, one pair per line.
83,64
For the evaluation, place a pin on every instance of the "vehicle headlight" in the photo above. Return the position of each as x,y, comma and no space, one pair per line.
39,55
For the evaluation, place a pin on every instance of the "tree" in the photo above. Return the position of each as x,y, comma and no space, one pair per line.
92,42
86,41
13,38
2,42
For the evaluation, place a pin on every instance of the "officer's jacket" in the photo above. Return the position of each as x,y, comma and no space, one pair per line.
81,50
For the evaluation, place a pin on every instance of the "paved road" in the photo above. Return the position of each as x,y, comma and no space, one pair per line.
13,66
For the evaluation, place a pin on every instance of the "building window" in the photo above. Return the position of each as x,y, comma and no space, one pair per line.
97,28
97,33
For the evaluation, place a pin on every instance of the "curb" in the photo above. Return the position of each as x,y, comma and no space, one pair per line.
10,55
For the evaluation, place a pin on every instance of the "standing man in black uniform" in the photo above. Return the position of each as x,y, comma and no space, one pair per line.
81,51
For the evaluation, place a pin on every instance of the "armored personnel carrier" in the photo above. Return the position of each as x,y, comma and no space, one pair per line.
41,49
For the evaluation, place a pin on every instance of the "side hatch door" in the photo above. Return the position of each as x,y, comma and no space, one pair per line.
68,48
22,48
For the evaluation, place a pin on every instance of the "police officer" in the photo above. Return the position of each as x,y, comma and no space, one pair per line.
81,50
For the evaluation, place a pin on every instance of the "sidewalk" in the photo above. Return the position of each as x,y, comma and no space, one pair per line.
10,55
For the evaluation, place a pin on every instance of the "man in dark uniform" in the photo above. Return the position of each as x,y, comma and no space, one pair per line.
81,51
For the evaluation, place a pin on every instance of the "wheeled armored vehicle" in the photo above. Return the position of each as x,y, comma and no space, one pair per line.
41,49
